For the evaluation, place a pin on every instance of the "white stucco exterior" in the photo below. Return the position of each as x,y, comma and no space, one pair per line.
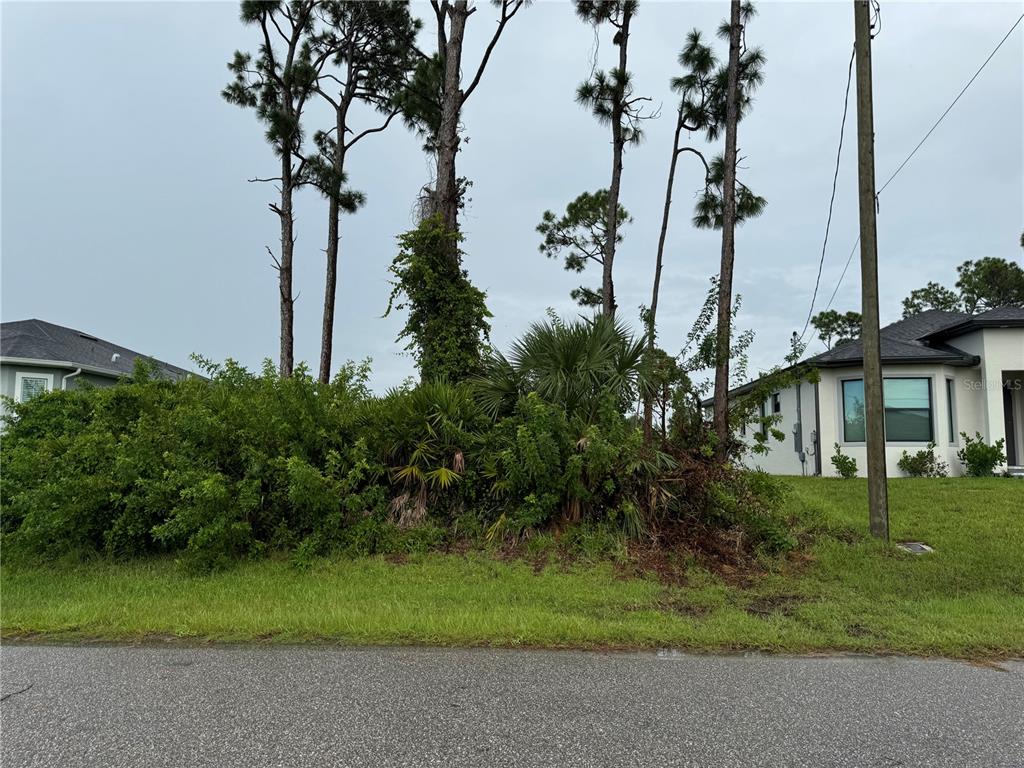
979,396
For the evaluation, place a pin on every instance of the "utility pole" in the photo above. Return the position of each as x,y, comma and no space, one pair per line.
878,495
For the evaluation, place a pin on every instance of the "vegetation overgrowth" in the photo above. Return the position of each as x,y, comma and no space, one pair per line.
240,464
841,590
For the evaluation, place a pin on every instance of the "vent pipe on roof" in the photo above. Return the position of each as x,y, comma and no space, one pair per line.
114,357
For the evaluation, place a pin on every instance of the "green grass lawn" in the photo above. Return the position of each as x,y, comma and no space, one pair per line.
848,593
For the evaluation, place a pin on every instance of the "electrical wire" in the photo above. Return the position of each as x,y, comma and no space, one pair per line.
845,267
953,104
921,143
832,200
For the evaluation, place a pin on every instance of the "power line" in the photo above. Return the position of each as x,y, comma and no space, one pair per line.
832,200
845,267
953,104
919,145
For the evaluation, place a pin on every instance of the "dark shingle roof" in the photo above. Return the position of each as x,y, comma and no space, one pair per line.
919,338
39,340
905,342
1000,317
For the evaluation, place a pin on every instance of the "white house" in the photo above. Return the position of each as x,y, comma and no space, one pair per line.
944,373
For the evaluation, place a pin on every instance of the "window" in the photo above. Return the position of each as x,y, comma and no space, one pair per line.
908,410
950,388
776,403
763,428
853,411
28,385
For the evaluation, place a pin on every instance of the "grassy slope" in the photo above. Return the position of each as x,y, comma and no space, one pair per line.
966,599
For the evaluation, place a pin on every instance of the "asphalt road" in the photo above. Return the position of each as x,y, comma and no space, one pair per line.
261,706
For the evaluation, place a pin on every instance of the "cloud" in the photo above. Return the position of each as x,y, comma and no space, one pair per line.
127,212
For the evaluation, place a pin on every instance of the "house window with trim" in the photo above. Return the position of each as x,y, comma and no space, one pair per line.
29,385
950,389
908,410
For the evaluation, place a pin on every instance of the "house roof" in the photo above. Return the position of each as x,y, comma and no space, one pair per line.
999,317
920,338
907,341
43,341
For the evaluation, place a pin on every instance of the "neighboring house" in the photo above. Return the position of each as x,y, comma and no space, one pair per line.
944,373
36,356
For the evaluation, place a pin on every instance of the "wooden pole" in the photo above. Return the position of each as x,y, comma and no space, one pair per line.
878,497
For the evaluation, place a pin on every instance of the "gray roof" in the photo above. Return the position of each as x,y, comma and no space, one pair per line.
1000,317
40,340
920,338
911,340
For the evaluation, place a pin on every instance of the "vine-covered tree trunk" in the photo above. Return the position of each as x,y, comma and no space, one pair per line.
721,399
653,312
618,147
447,191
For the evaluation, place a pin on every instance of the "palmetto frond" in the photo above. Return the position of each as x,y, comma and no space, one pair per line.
578,365
441,477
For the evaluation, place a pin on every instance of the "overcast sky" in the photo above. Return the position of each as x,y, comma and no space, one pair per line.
126,212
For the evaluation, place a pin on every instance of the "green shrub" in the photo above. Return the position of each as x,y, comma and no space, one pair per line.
750,501
546,467
924,463
978,457
242,464
214,469
846,466
427,437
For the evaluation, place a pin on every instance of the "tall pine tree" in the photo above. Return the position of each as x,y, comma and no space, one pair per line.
610,98
277,83
372,46
701,109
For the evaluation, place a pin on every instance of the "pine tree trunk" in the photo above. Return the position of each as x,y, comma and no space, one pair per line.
618,145
721,400
447,191
332,251
653,314
285,267
330,291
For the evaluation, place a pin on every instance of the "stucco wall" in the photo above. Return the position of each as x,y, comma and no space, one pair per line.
783,458
968,415
1001,351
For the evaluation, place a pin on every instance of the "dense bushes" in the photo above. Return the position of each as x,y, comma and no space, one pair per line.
243,464
217,469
